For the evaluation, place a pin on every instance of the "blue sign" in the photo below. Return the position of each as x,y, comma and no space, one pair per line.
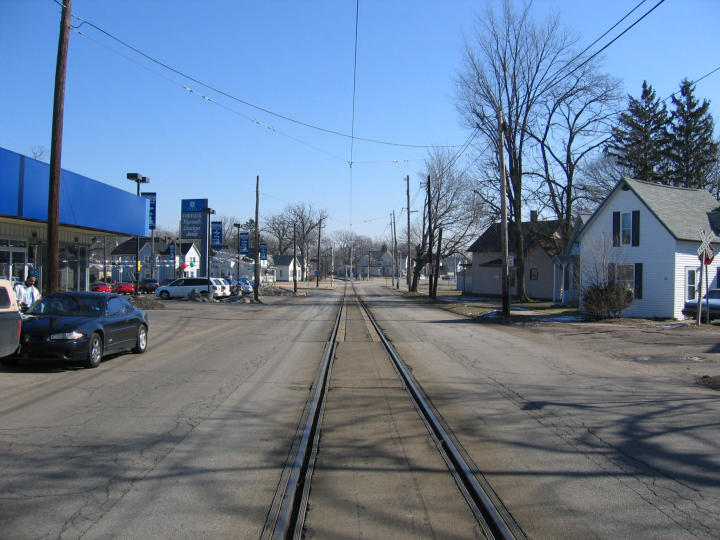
216,232
263,252
153,199
193,205
171,251
244,242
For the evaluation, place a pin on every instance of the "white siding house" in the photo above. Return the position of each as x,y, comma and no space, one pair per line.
647,235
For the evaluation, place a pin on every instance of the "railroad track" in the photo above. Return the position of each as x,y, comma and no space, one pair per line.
286,516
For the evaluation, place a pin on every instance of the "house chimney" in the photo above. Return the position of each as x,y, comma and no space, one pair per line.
533,216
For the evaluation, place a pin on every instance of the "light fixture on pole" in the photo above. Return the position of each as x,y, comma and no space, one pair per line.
138,179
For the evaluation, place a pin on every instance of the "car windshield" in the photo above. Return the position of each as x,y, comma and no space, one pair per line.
67,305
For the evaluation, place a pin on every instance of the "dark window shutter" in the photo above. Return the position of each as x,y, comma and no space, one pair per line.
611,273
638,280
636,228
616,228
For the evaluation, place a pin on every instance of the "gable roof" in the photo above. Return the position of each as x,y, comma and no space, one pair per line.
682,211
546,234
286,260
130,246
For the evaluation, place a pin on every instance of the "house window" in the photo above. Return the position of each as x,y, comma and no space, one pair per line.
630,275
626,228
533,274
691,288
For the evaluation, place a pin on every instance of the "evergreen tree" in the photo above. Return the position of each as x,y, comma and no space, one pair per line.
692,153
640,141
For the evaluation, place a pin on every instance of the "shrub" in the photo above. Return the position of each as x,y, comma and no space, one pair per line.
607,301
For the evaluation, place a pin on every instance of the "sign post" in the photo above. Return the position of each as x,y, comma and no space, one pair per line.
706,254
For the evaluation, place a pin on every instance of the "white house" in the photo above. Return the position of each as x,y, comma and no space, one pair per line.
380,263
647,235
284,265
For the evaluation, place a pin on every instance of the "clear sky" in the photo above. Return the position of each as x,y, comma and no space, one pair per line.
295,58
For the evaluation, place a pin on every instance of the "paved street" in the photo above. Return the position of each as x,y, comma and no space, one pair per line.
189,440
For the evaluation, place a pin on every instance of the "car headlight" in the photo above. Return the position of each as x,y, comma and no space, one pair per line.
67,335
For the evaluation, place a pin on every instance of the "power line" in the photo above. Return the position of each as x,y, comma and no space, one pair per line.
235,98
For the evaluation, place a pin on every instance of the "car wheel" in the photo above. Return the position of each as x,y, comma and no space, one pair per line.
95,351
142,340
164,295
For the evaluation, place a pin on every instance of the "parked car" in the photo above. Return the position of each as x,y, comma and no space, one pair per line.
123,288
713,298
219,289
227,289
9,319
180,288
100,286
82,327
148,286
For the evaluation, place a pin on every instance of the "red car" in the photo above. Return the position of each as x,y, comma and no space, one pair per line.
124,288
100,286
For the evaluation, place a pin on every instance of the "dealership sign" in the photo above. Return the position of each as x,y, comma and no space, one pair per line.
153,198
216,232
244,242
191,218
263,252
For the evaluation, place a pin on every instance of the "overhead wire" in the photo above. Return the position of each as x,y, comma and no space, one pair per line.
238,99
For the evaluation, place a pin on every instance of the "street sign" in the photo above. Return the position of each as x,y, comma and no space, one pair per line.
707,255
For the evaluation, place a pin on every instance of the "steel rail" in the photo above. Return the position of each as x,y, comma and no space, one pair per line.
470,486
290,517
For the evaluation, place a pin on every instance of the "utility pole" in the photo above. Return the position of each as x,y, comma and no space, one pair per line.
430,237
256,288
294,260
407,180
396,269
53,214
504,224
317,277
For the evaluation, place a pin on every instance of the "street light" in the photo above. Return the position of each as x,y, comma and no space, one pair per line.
138,179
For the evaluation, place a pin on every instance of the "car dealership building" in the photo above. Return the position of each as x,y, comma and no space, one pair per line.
89,210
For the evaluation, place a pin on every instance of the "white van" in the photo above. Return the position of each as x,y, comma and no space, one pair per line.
180,288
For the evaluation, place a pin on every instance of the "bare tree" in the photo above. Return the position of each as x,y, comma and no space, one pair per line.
574,126
306,220
454,208
507,77
279,228
39,152
597,178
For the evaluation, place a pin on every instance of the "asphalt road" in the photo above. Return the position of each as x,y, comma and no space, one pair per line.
578,441
189,440
185,441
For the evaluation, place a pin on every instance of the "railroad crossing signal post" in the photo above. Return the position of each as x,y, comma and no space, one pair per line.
706,254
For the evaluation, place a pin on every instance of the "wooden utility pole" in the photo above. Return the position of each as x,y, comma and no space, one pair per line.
256,288
436,274
294,260
430,238
396,270
407,181
52,264
317,277
504,224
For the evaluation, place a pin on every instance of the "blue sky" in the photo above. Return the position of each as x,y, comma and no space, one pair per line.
125,114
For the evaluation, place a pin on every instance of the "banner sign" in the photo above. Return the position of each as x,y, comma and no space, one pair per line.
171,252
153,206
216,232
244,242
191,218
263,252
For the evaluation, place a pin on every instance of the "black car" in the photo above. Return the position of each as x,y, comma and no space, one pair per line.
148,286
82,327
